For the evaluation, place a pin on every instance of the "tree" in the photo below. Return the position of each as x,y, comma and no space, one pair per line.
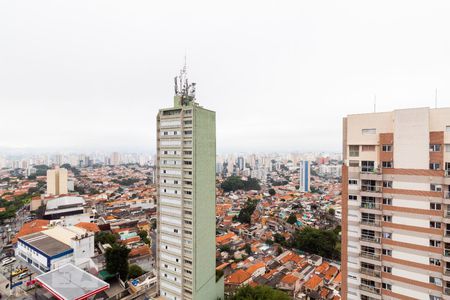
279,239
144,236
135,271
105,237
272,192
317,241
245,215
258,293
117,260
248,249
331,211
234,183
292,218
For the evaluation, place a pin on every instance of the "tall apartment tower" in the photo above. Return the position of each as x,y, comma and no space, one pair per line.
56,181
304,176
186,156
396,205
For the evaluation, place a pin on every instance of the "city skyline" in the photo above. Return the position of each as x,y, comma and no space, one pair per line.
285,66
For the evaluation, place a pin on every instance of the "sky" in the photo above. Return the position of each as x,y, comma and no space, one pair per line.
281,75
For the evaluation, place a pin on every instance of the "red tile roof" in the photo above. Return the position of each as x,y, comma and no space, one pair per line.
238,277
31,227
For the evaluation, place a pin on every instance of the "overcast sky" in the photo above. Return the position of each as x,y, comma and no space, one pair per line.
91,75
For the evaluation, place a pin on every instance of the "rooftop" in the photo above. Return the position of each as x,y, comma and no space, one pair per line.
48,245
70,282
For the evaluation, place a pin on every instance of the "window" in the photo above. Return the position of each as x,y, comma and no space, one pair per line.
353,163
435,261
387,184
367,166
435,243
435,166
387,201
386,286
387,269
447,128
354,150
436,187
447,148
188,132
387,252
432,297
435,281
188,122
175,230
367,131
387,218
352,181
368,148
387,164
387,235
434,224
386,148
352,197
188,112
435,148
435,206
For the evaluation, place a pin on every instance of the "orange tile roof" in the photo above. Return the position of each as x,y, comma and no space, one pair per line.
322,268
31,227
338,279
332,271
269,274
252,269
313,282
336,297
140,251
223,239
324,293
238,277
88,226
222,266
289,279
133,239
291,257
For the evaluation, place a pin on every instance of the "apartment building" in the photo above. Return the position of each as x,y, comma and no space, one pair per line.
304,176
56,181
186,152
396,205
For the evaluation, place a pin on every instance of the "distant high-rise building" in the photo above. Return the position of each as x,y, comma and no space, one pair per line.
57,181
304,176
396,204
241,163
186,253
115,159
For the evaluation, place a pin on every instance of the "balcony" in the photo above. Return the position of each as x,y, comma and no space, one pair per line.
447,291
370,289
370,255
370,238
370,170
371,188
447,195
370,272
447,173
371,205
370,222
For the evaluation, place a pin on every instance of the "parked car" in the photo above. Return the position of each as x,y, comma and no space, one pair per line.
8,261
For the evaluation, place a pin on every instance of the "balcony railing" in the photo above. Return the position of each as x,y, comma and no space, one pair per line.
447,252
369,238
370,222
370,205
447,290
447,173
370,170
370,289
447,271
371,188
370,272
447,195
370,255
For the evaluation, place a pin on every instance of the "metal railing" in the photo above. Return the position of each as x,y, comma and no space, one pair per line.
370,255
369,238
446,252
370,272
370,289
447,195
370,170
447,173
370,222
371,188
370,205
447,291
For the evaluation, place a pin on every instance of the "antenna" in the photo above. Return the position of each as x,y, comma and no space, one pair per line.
374,103
435,98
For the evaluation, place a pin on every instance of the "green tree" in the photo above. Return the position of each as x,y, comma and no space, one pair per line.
135,271
105,237
331,211
258,293
317,241
292,218
248,249
245,214
143,234
117,260
272,192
